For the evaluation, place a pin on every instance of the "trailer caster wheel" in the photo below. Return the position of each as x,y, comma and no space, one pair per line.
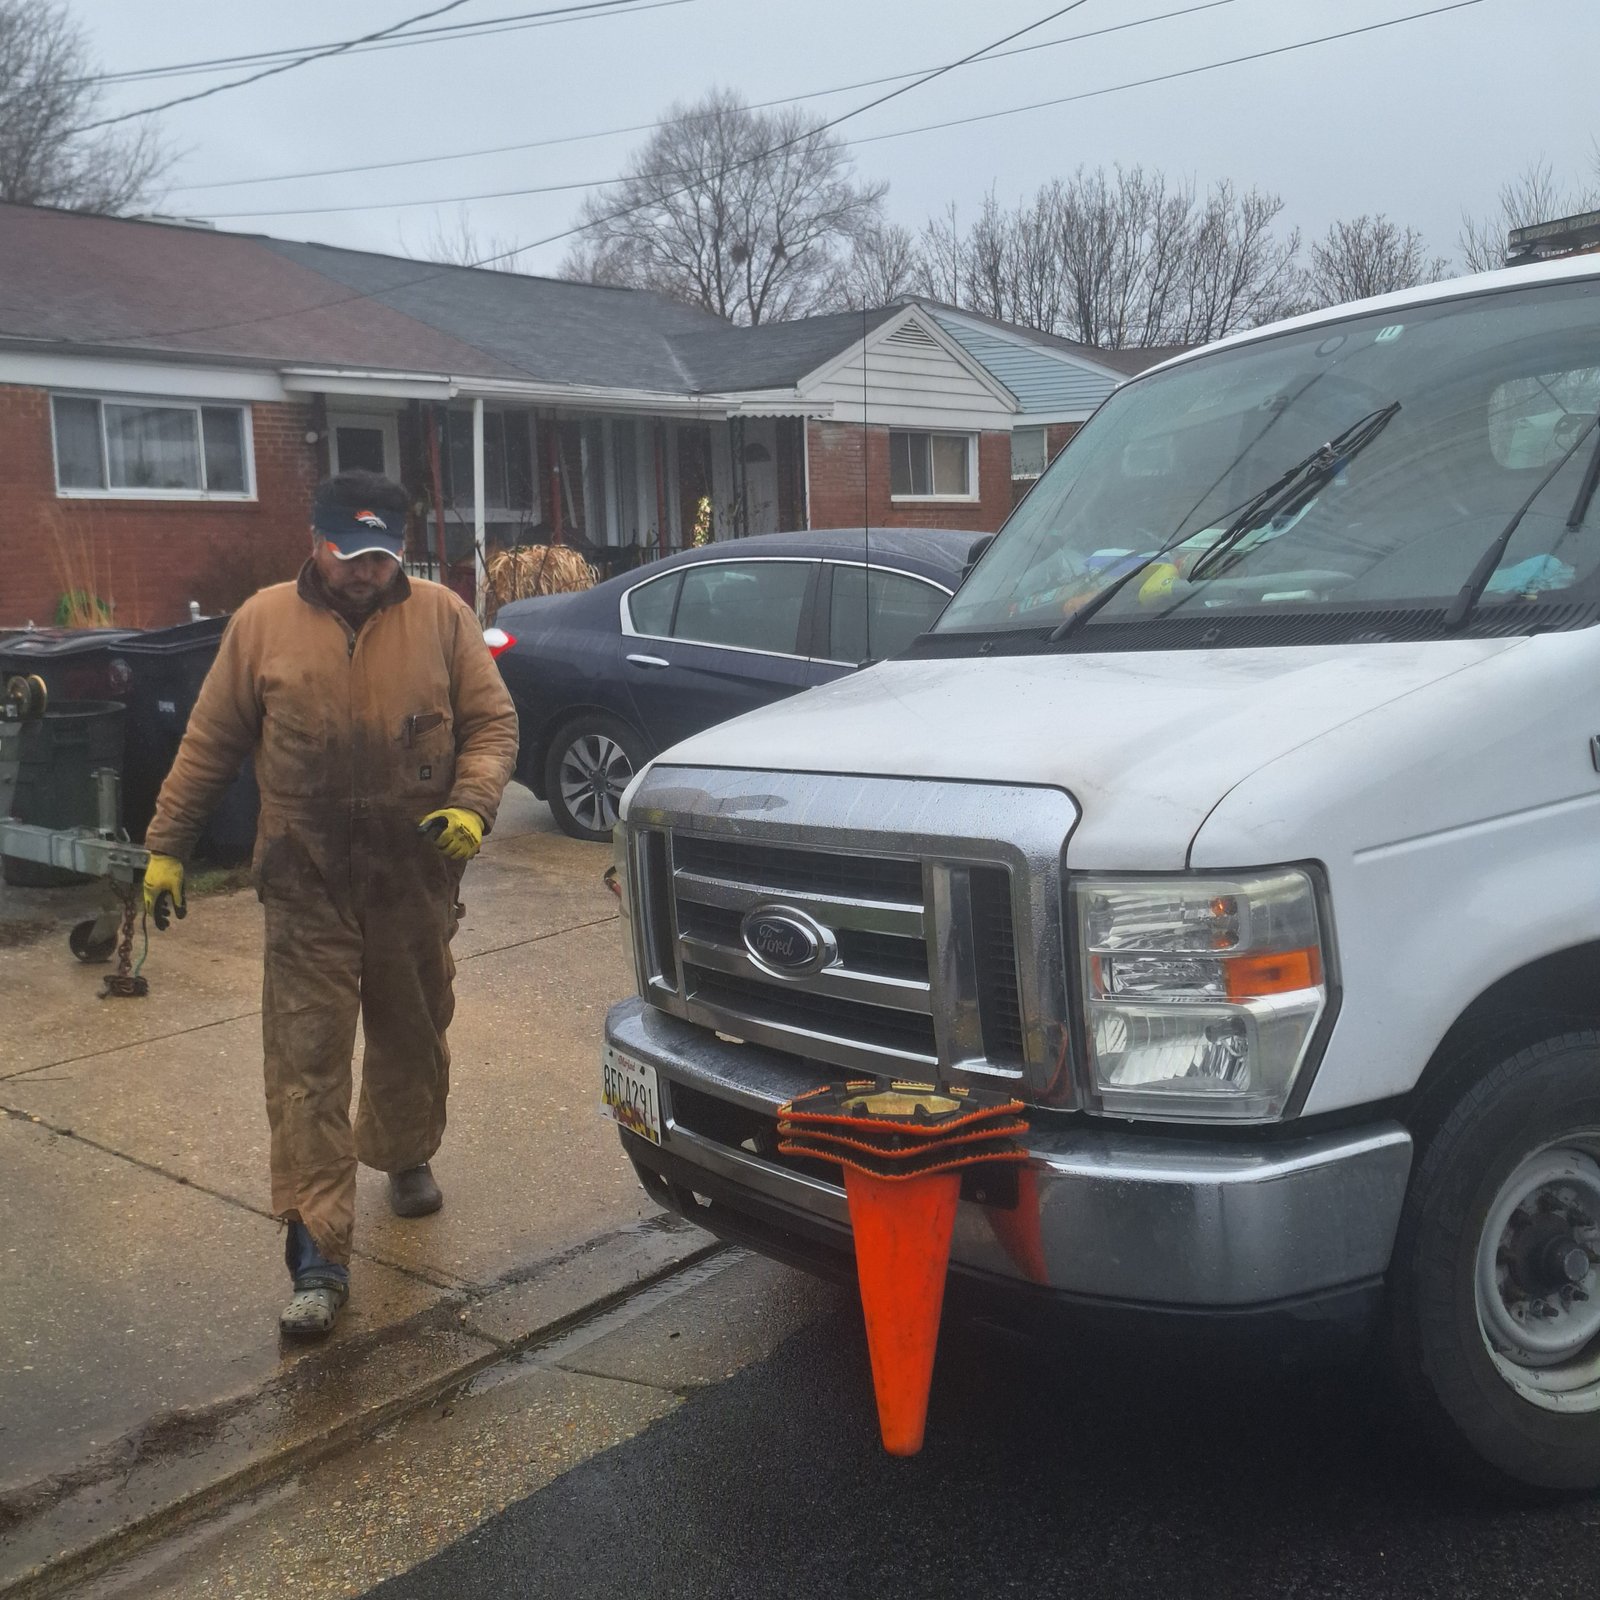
89,941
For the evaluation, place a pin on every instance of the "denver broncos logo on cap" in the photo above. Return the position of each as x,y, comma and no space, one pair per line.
371,519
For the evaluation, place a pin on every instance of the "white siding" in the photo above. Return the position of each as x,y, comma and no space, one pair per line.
911,382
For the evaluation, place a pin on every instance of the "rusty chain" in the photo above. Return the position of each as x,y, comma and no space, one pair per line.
125,983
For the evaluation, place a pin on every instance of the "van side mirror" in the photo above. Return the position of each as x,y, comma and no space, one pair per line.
976,550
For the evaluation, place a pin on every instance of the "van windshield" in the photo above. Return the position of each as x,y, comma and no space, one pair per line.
1358,466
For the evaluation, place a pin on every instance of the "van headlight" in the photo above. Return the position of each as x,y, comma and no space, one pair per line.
1201,993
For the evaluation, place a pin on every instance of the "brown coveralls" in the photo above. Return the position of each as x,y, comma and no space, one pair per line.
357,735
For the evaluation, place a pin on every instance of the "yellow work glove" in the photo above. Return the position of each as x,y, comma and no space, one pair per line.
163,889
456,832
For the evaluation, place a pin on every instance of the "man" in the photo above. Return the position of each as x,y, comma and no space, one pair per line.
383,738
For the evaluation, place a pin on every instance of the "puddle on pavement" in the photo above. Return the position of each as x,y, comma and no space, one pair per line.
553,1352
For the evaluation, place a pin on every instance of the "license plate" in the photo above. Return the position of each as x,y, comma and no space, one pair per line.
628,1091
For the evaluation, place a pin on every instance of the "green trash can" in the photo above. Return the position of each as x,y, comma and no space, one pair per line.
59,756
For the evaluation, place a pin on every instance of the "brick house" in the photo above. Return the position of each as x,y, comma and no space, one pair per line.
170,394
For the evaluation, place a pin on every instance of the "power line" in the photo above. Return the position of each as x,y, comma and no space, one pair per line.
876,138
567,233
650,127
1164,77
271,72
504,255
512,22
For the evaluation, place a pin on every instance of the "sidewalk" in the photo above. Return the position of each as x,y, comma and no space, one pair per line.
140,1272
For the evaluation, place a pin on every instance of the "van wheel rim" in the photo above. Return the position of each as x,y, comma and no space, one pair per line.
595,770
1536,1283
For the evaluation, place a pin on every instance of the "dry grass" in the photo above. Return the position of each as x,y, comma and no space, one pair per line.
88,590
537,569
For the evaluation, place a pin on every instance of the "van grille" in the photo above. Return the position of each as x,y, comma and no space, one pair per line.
882,1005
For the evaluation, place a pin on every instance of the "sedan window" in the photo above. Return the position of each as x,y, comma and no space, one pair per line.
650,605
901,608
751,605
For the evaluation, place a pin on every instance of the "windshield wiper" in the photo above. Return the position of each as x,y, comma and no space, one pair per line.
1290,490
1471,592
1297,486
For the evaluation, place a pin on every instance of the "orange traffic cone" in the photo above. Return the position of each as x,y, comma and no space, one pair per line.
902,1235
1018,1229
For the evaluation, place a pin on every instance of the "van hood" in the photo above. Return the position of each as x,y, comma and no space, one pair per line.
1146,743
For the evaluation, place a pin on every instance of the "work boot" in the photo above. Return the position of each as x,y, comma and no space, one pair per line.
321,1287
413,1193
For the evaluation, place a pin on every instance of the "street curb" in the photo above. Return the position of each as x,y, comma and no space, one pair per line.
563,1292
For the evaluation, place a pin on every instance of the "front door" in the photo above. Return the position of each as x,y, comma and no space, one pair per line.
363,442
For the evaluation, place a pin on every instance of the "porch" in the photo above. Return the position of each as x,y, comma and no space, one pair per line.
487,472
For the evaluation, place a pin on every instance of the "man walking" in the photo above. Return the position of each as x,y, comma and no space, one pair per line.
383,739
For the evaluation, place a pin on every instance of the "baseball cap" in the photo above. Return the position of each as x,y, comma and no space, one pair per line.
358,530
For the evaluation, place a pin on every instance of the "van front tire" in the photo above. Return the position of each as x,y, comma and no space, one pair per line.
1495,1280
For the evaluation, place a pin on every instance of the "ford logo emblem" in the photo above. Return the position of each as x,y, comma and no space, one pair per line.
787,943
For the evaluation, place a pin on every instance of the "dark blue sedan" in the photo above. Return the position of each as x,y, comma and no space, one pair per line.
609,677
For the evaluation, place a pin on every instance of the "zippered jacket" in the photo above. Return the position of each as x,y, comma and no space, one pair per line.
356,733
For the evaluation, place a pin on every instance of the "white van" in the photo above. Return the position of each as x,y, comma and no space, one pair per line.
1240,815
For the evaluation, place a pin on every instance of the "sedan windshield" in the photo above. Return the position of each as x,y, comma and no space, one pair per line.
1365,464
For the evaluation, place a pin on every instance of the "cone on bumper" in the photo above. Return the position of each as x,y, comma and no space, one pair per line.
903,1147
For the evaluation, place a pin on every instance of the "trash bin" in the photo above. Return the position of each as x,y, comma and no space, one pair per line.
58,757
158,674
75,663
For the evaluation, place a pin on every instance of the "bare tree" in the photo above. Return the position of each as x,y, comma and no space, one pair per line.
1368,255
1534,195
941,258
1119,259
749,214
884,264
1239,273
459,245
46,93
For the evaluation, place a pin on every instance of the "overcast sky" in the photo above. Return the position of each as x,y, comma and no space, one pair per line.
1419,120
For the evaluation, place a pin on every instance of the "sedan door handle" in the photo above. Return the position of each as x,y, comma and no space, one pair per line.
649,661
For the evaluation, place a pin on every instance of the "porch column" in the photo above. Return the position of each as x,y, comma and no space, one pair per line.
644,477
480,579
608,448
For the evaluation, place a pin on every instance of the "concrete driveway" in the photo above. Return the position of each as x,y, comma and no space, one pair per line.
141,1373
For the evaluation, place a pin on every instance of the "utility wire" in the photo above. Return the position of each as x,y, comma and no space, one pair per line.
271,72
503,255
875,138
567,233
1164,77
651,127
512,22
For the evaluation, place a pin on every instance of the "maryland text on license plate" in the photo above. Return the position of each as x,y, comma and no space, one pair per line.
628,1091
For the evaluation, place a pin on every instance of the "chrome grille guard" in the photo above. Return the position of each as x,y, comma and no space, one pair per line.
931,918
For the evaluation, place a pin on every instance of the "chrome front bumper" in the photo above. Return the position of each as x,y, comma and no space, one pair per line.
1180,1223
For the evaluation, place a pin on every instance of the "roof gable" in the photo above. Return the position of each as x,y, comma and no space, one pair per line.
907,330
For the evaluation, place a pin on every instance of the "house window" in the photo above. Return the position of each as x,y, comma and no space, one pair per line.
161,448
1027,452
508,473
931,466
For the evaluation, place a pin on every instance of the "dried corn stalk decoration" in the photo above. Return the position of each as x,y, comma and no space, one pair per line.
536,569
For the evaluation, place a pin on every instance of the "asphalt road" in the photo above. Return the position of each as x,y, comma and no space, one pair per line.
1047,1472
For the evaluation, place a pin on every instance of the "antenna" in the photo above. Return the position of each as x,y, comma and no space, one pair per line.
866,501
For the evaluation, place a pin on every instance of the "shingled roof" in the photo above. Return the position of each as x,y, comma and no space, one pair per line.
71,280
